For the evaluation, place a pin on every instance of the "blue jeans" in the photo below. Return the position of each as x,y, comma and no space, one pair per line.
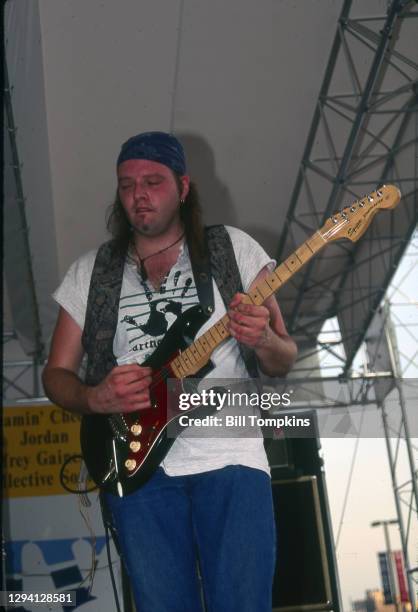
220,521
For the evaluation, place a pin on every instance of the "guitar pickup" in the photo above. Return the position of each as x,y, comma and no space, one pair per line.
119,426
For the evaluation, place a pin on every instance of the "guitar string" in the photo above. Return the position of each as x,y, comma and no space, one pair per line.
163,374
159,377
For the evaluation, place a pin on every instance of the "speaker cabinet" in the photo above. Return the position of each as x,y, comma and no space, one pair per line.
302,579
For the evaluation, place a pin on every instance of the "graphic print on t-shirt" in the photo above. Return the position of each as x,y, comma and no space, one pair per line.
148,314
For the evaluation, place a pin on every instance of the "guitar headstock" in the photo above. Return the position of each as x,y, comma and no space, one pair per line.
353,220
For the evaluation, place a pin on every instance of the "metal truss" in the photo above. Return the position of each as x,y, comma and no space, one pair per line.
17,251
20,371
405,492
393,402
379,402
387,379
364,133
21,376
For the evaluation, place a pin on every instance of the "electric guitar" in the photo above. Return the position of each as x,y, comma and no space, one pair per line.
122,451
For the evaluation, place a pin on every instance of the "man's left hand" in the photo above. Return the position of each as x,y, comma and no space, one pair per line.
249,324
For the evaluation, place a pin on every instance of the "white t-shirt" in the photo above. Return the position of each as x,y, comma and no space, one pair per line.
144,317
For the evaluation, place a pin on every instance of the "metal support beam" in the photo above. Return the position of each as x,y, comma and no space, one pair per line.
362,135
412,105
402,530
16,236
353,140
313,129
383,353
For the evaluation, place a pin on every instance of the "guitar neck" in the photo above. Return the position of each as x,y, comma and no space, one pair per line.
197,354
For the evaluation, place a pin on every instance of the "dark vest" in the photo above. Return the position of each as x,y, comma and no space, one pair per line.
104,294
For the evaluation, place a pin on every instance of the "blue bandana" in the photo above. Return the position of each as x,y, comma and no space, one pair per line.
155,146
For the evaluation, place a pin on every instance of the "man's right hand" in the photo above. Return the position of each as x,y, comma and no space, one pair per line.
125,389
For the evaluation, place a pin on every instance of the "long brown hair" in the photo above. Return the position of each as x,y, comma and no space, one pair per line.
190,214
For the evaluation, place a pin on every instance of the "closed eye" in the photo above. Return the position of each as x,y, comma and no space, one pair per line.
156,181
125,185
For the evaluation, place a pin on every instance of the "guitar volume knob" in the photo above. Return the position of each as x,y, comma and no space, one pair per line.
136,429
130,464
135,446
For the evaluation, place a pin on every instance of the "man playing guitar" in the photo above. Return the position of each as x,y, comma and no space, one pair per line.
208,504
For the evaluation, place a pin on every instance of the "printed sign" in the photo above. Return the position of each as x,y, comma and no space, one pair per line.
400,571
384,573
41,450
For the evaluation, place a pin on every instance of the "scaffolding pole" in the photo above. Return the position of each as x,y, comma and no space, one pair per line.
402,531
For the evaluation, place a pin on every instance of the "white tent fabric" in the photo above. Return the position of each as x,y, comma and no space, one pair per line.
26,76
236,81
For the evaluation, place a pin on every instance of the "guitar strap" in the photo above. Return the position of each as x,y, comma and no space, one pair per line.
227,277
201,268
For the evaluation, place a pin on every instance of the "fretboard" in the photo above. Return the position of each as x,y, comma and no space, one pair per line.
198,354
